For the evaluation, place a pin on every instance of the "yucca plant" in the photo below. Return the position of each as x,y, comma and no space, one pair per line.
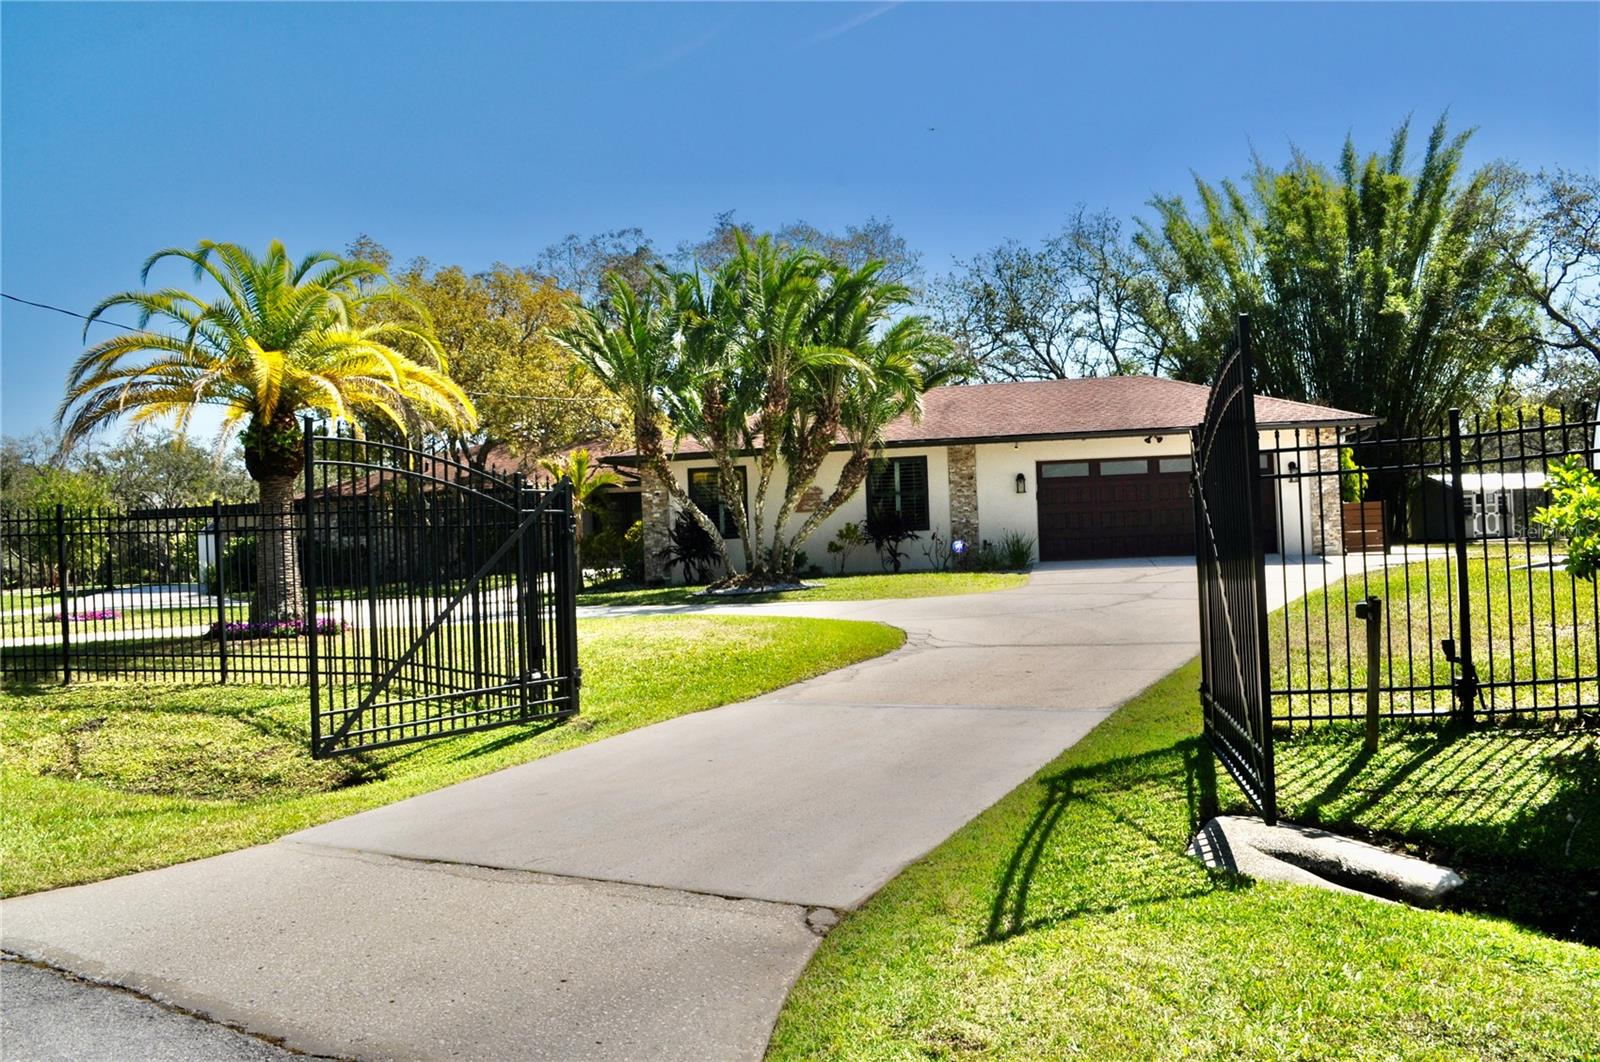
280,339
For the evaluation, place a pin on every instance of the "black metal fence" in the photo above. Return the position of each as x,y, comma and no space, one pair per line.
435,598
1412,578
1230,568
142,594
1427,549
449,592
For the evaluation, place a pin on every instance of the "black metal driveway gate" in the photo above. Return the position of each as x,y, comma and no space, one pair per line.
444,596
1232,574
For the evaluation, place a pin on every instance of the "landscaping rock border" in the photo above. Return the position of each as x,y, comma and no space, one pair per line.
755,591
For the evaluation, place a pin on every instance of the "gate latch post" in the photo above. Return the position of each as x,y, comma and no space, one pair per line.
1371,611
1466,684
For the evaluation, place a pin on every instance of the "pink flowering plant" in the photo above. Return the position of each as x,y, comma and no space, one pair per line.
89,617
242,629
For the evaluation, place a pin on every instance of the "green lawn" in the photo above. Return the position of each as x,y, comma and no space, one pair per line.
1066,922
1517,809
102,779
1528,622
827,588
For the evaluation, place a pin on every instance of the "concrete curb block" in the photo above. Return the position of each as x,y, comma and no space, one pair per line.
1303,855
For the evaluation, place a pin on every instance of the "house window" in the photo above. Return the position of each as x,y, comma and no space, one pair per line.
897,493
1175,464
1063,469
1136,467
705,490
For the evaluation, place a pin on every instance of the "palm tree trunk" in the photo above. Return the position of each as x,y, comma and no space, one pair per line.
658,464
279,595
851,476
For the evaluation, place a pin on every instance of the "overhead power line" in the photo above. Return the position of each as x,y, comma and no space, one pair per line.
131,328
69,313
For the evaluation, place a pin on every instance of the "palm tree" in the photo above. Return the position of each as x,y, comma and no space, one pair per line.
281,339
778,302
578,468
631,345
757,336
849,321
899,364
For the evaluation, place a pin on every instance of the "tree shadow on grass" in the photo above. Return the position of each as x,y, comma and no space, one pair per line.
1126,821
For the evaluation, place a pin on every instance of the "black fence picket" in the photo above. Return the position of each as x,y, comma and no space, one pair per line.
98,593
1229,562
1412,576
447,595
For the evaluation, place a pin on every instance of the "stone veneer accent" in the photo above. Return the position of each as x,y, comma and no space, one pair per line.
655,511
963,464
1327,519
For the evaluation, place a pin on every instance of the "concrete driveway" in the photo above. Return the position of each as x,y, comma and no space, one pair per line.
653,895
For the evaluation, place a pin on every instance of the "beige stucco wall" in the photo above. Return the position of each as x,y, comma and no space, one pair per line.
852,511
1000,508
1302,513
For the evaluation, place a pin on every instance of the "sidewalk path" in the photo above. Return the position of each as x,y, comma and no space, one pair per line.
653,895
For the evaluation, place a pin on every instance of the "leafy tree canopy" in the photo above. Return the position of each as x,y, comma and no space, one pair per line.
30,486
163,469
495,329
874,240
1068,307
1552,245
1372,287
581,264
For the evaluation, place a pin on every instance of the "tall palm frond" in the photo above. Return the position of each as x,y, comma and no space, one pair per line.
280,338
278,341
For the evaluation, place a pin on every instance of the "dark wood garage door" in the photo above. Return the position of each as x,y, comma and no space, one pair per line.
1132,507
1138,507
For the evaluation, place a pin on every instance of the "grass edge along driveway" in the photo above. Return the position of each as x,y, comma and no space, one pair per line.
102,779
824,588
1066,921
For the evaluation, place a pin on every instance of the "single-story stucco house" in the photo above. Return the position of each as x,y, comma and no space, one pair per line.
1095,467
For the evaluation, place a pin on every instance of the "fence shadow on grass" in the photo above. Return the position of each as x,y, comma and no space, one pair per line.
1122,816
509,738
1516,809
1514,793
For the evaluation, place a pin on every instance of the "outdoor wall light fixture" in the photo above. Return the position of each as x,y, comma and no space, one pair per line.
1152,438
1022,483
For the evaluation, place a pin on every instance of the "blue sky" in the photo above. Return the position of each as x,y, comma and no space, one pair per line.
471,133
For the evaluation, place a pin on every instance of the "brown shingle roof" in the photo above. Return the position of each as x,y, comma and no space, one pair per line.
1077,408
1105,405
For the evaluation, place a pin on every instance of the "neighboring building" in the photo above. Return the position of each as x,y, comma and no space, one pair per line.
1086,468
1496,504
